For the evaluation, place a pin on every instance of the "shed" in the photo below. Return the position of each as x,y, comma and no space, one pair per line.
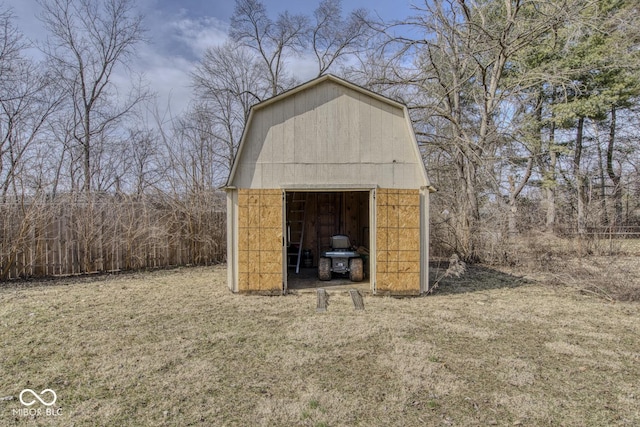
327,157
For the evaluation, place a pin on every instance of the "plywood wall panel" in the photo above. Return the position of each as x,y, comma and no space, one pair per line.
398,242
260,241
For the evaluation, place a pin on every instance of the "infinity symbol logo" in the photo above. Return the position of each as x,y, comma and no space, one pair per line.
42,393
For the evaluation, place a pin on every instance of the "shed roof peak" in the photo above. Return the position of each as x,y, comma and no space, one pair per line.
322,79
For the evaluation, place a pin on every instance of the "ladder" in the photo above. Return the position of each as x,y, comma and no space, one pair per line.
296,221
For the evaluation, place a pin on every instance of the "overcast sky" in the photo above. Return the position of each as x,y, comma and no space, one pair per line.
180,30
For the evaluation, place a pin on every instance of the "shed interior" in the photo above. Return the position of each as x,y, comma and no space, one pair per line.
322,215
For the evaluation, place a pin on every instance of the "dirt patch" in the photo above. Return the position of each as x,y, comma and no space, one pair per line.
177,348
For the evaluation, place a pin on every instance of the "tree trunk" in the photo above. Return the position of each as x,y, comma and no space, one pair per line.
550,180
513,209
467,201
514,192
617,188
580,180
550,191
604,220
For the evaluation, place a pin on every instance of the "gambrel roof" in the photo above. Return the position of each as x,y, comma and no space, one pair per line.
328,133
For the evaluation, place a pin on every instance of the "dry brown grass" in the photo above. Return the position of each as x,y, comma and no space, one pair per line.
612,278
176,348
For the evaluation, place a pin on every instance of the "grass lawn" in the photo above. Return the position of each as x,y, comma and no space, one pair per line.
177,348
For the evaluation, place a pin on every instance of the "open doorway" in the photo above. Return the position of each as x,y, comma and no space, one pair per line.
311,219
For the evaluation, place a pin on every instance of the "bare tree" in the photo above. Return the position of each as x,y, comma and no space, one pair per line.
29,103
273,41
88,40
461,95
11,44
27,100
227,82
146,169
230,70
190,161
334,37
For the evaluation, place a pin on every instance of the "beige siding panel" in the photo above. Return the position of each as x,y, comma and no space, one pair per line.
288,129
338,149
387,175
363,124
324,173
258,138
289,171
276,135
266,173
256,178
329,134
325,116
386,145
348,117
395,136
398,175
266,126
369,174
401,133
381,147
343,173
304,129
303,173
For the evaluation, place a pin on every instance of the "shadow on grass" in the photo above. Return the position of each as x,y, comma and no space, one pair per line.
475,278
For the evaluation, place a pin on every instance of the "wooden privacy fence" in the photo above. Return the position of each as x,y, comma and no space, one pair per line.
69,237
608,232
